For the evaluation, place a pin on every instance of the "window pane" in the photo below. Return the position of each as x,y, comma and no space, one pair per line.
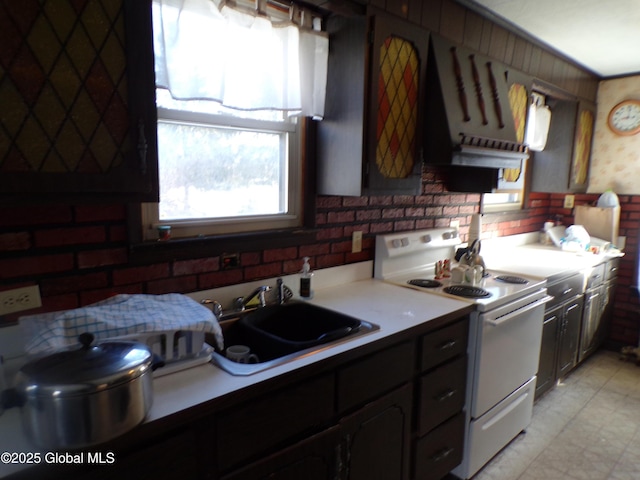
215,172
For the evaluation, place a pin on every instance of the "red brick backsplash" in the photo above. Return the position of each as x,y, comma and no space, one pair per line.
79,255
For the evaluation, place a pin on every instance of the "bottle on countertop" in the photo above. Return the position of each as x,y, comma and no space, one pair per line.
305,279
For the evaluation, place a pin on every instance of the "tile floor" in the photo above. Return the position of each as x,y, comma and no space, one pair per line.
587,428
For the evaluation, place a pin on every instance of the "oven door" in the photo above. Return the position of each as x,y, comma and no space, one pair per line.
507,349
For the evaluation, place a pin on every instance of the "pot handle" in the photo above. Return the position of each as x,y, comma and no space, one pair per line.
86,339
157,362
11,397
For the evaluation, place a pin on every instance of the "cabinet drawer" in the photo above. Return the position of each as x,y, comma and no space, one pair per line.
442,394
596,276
443,344
611,269
441,451
565,289
375,375
261,424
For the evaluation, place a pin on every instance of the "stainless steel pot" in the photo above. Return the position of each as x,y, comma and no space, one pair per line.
85,396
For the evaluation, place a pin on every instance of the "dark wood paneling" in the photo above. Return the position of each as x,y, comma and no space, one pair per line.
415,11
498,43
452,21
431,14
509,48
473,29
398,7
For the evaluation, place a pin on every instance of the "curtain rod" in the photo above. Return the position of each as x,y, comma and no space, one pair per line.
298,14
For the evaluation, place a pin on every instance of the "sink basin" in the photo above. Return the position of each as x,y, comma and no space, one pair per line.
281,333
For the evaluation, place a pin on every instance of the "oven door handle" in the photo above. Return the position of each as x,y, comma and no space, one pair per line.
516,313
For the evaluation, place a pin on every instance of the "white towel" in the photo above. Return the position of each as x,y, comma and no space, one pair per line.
117,316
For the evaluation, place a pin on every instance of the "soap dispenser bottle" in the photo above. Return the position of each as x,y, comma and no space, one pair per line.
305,280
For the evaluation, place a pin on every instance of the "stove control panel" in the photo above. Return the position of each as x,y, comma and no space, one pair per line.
400,242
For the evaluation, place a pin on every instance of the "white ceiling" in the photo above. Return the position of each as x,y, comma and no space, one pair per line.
601,35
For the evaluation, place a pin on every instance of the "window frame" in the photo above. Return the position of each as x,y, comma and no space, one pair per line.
297,212
143,111
292,218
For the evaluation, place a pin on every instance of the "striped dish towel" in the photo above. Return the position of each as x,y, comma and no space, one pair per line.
116,316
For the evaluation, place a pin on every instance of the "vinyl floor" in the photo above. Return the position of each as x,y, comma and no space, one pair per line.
587,428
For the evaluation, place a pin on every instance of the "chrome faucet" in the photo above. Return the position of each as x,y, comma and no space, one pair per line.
241,303
282,296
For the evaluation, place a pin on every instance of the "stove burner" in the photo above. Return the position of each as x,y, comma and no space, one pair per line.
512,279
467,291
425,283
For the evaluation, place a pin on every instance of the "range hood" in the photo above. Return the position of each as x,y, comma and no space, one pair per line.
468,120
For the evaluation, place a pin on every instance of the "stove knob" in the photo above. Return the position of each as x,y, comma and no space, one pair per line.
426,238
446,235
405,241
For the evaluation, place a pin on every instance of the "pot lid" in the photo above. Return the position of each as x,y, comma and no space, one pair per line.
90,368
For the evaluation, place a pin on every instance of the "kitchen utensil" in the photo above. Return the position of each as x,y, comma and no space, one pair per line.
84,396
458,273
472,256
556,234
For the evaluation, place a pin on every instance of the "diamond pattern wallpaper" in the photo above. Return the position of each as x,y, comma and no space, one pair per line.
62,86
397,108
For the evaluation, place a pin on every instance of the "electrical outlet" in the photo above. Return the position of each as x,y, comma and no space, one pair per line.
18,299
569,201
356,242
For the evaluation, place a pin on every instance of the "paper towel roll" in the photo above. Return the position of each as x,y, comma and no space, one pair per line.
475,229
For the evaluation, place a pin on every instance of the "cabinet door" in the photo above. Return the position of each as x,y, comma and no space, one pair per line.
591,318
583,139
396,98
256,428
570,337
375,439
311,459
547,364
607,310
167,459
551,167
82,113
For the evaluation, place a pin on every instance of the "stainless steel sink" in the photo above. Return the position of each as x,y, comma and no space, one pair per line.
281,333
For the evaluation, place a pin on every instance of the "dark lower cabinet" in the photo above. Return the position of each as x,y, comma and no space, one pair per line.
560,343
440,451
391,413
311,459
548,351
570,336
375,440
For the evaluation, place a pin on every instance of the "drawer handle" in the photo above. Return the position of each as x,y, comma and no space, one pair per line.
448,345
442,454
446,395
567,291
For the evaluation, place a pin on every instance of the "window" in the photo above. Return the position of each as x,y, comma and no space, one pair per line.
510,192
230,90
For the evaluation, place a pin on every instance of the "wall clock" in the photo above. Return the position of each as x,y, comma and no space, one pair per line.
624,118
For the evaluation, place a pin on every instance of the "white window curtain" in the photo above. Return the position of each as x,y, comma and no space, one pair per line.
240,60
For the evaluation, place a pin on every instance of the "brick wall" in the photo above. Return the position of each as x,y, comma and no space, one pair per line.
79,254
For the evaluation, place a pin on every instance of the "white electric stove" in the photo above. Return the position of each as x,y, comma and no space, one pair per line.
409,259
505,333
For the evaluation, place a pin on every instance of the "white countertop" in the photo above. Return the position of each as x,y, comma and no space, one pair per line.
537,260
393,308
